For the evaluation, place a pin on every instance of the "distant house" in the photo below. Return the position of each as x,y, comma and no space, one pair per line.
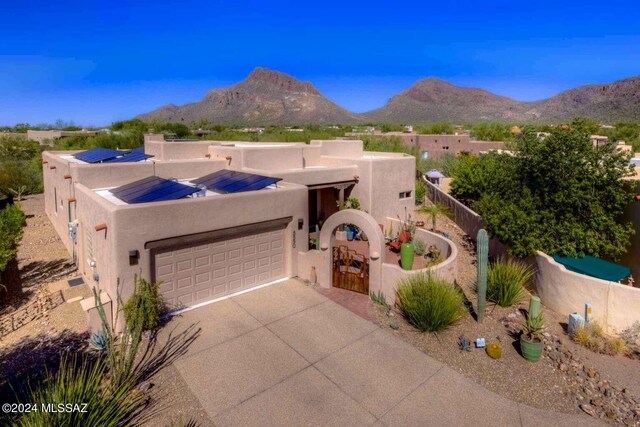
50,136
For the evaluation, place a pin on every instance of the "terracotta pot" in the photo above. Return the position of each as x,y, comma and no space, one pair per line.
404,236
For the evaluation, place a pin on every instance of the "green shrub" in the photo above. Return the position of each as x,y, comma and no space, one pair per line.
419,247
144,306
81,382
11,222
421,191
506,280
378,298
430,303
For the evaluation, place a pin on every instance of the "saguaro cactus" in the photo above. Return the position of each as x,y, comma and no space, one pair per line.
482,251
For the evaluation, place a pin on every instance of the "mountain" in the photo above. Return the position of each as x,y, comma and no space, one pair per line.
430,100
613,102
265,97
270,97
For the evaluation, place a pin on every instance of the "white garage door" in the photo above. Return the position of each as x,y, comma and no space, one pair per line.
204,271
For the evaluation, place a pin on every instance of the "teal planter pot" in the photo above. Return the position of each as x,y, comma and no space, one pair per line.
406,256
531,350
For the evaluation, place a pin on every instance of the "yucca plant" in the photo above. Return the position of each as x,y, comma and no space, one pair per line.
80,382
506,281
429,303
433,211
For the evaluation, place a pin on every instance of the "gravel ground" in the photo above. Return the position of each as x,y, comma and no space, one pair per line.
44,267
540,385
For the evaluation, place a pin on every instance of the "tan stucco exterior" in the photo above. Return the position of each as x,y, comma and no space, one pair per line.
108,230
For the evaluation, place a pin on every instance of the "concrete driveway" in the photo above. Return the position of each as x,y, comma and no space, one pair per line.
286,355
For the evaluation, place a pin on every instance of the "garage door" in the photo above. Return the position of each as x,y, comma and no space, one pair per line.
200,272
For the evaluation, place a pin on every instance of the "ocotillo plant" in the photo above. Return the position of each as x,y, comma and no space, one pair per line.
483,255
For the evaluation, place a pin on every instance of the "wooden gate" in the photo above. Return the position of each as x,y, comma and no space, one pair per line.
350,270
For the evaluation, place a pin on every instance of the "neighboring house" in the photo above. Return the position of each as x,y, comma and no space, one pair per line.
433,145
46,136
203,238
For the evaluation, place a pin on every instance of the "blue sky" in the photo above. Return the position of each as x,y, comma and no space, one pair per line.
94,62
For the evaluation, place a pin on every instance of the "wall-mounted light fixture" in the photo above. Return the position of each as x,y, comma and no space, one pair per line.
52,167
101,227
229,159
67,176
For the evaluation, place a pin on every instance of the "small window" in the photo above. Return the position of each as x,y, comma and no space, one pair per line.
405,194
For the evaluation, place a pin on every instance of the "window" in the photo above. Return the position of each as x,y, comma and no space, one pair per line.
405,194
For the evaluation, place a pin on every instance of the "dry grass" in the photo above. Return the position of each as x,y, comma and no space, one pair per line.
593,337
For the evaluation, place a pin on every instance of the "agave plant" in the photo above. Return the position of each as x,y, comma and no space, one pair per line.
98,341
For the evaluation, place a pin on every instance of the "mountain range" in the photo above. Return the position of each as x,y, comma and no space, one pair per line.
268,97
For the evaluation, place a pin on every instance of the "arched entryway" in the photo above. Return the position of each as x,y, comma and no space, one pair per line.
347,265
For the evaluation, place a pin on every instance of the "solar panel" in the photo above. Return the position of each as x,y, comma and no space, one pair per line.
96,155
227,181
132,156
152,189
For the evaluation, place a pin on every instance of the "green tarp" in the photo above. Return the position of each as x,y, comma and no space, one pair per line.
595,267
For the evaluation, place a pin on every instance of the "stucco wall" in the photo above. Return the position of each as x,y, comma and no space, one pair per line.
614,305
57,192
131,226
383,277
448,269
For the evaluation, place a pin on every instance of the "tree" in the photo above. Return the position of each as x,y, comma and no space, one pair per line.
435,210
561,195
11,222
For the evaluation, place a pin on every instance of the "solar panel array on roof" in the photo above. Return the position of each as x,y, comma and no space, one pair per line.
227,181
152,189
96,155
131,156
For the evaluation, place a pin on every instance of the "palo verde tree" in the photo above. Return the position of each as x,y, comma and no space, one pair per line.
560,195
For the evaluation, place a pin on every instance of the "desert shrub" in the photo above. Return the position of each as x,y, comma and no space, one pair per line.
11,222
378,298
430,303
81,381
145,306
506,280
593,337
419,247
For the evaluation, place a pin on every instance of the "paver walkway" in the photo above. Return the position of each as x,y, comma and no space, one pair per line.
286,355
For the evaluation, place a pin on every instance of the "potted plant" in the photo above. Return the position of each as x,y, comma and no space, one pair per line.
407,228
531,337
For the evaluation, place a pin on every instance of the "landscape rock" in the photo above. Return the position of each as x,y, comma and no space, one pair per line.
589,410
